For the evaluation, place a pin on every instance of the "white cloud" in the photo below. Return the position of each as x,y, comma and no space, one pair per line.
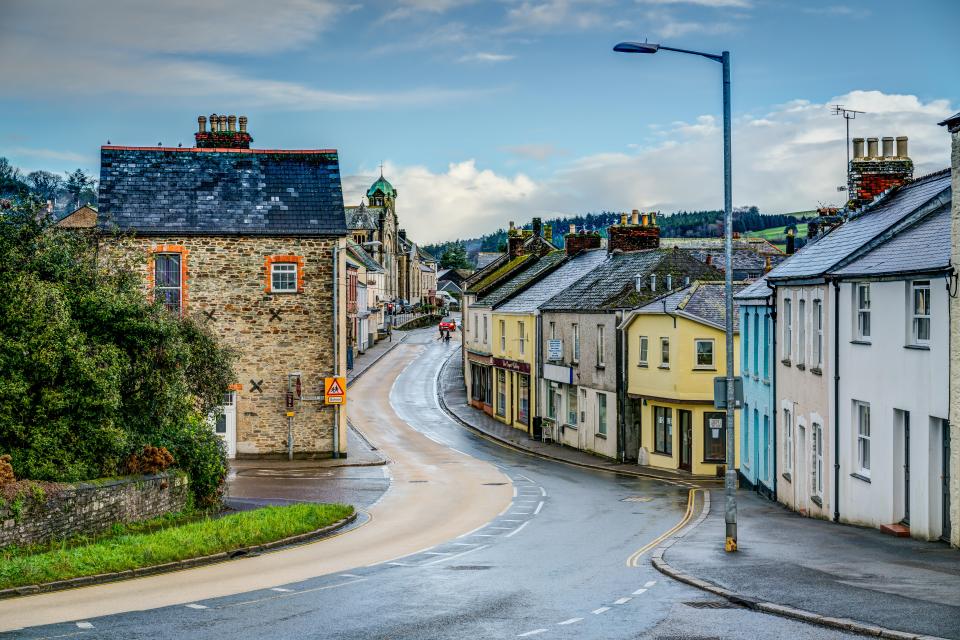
738,4
51,154
556,14
408,8
790,158
482,56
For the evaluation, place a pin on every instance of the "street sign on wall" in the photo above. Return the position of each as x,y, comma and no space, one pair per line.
335,390
554,349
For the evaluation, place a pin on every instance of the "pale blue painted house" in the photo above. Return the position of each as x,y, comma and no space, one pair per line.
757,429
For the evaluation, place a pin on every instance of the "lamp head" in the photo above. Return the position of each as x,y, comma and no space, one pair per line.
637,47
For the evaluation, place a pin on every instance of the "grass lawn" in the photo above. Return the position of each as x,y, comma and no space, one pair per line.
777,235
204,537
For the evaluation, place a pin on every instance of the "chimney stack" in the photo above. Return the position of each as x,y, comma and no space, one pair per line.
243,124
874,173
213,122
222,123
623,219
223,133
887,146
635,236
872,148
575,242
537,227
857,148
791,243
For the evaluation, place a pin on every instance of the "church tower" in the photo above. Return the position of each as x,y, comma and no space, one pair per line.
382,196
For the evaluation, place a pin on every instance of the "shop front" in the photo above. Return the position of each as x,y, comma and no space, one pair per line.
514,394
481,382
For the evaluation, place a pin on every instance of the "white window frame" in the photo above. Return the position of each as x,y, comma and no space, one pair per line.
816,468
818,329
861,299
802,332
788,441
523,342
602,413
601,345
283,270
503,335
787,328
571,406
553,330
644,351
664,349
918,318
576,342
861,411
713,354
486,332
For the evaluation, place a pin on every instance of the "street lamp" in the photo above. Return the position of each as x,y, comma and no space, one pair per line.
731,475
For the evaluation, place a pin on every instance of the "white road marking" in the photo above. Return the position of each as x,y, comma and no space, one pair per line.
517,530
291,594
650,584
543,492
622,600
454,556
348,575
460,452
514,491
437,553
399,564
464,544
639,591
570,621
501,528
531,633
537,510
520,475
84,625
486,535
597,612
519,513
472,531
509,520
195,606
282,590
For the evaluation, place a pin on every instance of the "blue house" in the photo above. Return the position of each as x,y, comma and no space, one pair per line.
757,429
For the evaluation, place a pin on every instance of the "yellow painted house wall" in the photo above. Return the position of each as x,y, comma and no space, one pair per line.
506,345
682,386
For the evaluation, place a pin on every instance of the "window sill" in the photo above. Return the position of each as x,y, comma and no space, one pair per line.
786,362
663,366
817,371
766,381
817,501
787,477
642,365
570,426
863,342
663,453
860,477
917,347
704,368
282,293
601,366
713,462
801,366
601,435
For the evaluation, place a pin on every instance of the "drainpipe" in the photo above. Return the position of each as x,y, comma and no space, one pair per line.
336,343
775,410
535,376
836,400
621,403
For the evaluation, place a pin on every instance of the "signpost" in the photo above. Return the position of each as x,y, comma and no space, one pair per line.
335,390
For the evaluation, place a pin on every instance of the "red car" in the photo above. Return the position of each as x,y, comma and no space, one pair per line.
448,325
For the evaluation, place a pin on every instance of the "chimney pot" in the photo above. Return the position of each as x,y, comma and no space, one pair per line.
243,124
213,122
623,219
635,217
511,225
653,218
573,228
202,122
888,146
857,148
646,220
872,148
902,147
232,123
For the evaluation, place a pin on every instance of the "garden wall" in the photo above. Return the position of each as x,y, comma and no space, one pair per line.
89,507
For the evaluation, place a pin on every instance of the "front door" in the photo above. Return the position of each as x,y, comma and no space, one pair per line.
686,439
800,481
225,423
906,468
945,485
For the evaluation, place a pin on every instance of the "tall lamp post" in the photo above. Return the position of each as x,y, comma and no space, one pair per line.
730,480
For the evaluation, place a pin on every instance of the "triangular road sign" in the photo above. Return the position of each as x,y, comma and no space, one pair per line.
335,390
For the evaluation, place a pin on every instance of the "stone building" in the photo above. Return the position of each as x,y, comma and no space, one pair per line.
252,243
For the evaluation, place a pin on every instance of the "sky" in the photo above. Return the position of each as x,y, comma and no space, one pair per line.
485,112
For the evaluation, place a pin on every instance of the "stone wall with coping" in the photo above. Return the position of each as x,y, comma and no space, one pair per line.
89,508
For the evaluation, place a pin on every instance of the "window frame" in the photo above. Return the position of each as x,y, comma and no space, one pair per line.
281,271
712,366
643,351
664,342
863,315
918,319
801,332
602,413
160,257
295,260
862,437
503,335
788,426
572,406
601,346
708,438
787,328
520,330
576,343
816,467
817,318
666,431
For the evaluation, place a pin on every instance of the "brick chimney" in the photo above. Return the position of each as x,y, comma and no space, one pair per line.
223,133
577,242
872,173
537,227
637,234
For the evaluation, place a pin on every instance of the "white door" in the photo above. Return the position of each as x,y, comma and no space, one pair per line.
225,423
801,482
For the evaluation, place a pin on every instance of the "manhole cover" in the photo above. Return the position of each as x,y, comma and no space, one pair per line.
711,604
637,499
469,567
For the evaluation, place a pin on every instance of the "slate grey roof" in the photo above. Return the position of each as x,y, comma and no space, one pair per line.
548,286
817,258
755,291
512,285
362,217
703,301
486,257
921,248
165,191
364,257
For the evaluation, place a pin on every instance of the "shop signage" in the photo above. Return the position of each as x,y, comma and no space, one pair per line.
556,373
511,365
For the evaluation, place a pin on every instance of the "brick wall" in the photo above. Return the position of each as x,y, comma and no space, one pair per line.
633,237
91,508
577,242
869,177
273,333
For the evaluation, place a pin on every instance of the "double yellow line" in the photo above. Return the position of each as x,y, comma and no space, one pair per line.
634,559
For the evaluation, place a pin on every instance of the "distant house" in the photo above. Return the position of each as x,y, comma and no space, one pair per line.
486,257
83,218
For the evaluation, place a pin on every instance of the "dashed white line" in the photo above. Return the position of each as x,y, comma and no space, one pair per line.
597,612
520,475
84,625
501,528
282,590
517,530
622,600
543,492
531,633
509,520
460,452
486,535
348,575
650,584
537,510
514,491
454,556
399,564
464,544
639,591
570,621
195,606
472,531
443,553
519,513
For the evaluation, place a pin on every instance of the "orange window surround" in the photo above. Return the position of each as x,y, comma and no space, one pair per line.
270,260
184,286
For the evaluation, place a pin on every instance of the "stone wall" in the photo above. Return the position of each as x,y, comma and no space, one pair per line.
273,333
90,507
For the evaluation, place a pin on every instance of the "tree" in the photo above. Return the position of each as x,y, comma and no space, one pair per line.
77,183
11,179
455,257
45,185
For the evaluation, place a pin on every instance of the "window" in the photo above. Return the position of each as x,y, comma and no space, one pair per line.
553,330
669,282
818,330
167,280
787,328
766,347
572,405
768,444
663,430
551,403
788,441
523,410
664,353
523,340
921,312
802,333
756,342
817,467
476,328
863,437
601,345
863,311
602,414
745,344
576,342
501,393
486,336
503,335
583,405
283,277
704,351
714,437
644,347
653,282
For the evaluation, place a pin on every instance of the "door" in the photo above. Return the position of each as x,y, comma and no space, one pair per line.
800,482
225,423
945,484
686,439
906,467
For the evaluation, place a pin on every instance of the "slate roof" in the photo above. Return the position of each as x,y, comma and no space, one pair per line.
486,257
756,290
548,286
702,301
166,191
759,245
364,257
362,217
921,248
817,258
511,285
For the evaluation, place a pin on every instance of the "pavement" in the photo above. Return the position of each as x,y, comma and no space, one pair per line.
365,360
828,569
454,396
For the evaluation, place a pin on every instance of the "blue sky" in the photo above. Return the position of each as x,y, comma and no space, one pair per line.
485,112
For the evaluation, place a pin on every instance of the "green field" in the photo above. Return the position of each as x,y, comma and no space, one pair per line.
777,235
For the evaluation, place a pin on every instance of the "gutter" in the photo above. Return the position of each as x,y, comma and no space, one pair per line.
836,400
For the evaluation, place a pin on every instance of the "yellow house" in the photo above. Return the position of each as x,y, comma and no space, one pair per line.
675,347
514,350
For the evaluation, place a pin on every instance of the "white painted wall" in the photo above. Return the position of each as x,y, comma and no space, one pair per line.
890,376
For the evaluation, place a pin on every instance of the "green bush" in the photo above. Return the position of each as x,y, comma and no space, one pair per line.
91,371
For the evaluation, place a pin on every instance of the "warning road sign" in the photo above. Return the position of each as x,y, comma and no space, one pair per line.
335,390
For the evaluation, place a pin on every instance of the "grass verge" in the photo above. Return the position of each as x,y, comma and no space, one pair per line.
127,551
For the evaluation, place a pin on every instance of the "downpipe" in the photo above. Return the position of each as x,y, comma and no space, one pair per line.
774,410
336,344
836,400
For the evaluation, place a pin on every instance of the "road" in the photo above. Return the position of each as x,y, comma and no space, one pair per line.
470,541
